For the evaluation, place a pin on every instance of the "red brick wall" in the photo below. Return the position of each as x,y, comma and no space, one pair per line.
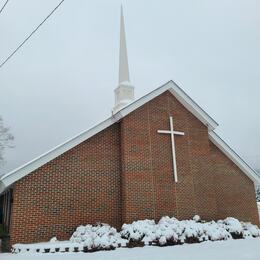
125,173
147,163
79,187
235,192
138,187
149,190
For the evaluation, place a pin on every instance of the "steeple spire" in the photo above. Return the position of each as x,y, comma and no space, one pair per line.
123,60
124,93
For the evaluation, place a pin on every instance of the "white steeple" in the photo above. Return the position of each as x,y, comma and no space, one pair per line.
124,93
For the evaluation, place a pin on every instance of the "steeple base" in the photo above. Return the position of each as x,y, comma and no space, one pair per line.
124,94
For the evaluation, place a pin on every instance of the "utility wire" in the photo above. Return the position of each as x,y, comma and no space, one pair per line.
3,7
30,35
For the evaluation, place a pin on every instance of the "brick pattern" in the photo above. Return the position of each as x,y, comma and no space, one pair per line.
138,189
235,193
149,190
194,192
79,187
125,173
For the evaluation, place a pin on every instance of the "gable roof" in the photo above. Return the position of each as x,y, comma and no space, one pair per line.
8,179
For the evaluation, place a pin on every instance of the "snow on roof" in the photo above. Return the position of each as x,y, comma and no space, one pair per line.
8,179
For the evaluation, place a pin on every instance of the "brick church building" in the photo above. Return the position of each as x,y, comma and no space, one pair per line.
155,156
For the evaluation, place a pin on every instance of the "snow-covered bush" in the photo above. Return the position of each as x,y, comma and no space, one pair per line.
168,231
250,230
138,231
214,232
97,237
197,218
53,240
171,231
233,226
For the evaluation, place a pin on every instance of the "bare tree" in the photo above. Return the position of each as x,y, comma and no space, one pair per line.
6,139
257,191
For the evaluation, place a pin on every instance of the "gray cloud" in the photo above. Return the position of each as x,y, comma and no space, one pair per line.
62,81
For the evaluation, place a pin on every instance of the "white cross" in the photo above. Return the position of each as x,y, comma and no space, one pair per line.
172,133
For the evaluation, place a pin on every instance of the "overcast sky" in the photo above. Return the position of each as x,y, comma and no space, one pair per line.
62,81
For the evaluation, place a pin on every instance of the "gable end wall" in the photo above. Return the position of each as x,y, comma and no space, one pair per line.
209,183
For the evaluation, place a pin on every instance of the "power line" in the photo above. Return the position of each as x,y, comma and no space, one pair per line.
3,7
30,35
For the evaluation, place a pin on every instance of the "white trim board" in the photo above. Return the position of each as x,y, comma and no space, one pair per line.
13,176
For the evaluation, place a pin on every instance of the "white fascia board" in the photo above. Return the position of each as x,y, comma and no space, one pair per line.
181,96
233,156
11,177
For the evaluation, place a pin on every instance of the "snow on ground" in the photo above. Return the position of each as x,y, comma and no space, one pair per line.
242,249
